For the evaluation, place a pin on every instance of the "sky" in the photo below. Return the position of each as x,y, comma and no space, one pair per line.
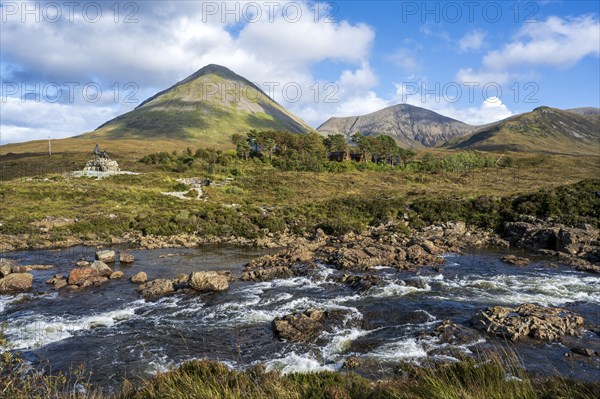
67,67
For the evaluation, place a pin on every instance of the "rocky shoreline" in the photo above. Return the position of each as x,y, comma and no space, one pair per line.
576,246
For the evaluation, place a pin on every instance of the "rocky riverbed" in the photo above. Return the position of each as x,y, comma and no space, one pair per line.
362,302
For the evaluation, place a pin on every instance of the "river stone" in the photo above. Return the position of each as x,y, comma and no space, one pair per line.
156,288
16,282
116,275
126,257
7,263
267,274
102,268
83,263
106,256
515,260
139,278
58,281
361,283
299,327
5,270
528,320
79,276
208,282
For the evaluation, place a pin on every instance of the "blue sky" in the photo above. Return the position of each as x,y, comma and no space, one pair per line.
474,61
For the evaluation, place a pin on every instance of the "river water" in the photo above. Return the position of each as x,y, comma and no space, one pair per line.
118,335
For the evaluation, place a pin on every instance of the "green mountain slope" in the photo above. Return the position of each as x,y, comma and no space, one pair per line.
208,106
544,129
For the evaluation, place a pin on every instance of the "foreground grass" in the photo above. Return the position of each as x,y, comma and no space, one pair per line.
491,378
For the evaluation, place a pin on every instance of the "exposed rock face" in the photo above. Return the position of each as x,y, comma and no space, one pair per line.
208,282
300,327
578,247
15,283
515,260
528,320
139,278
156,288
106,256
126,257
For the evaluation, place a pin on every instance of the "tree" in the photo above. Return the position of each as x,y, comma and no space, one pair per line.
365,146
406,155
336,143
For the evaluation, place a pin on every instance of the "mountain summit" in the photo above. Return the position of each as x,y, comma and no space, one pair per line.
210,105
410,125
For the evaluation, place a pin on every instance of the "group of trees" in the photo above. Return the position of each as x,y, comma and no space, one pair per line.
382,149
285,147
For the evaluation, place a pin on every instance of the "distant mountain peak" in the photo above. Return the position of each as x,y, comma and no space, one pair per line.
211,104
410,125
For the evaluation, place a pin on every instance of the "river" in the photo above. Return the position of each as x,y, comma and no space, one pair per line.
117,334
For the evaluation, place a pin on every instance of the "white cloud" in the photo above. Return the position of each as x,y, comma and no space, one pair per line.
473,40
361,105
468,75
490,110
555,42
364,77
406,60
171,42
45,119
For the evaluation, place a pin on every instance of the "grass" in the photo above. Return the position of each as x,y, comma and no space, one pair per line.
269,200
494,376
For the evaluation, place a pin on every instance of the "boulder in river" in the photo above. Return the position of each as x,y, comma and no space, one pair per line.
208,282
126,257
156,288
268,274
299,327
79,276
6,266
15,283
102,268
106,256
116,275
454,334
58,281
139,278
515,260
361,283
528,320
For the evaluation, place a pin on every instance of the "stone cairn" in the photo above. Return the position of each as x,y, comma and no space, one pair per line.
101,163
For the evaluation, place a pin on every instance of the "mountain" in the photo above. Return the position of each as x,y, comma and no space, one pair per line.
409,125
585,110
208,106
544,129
